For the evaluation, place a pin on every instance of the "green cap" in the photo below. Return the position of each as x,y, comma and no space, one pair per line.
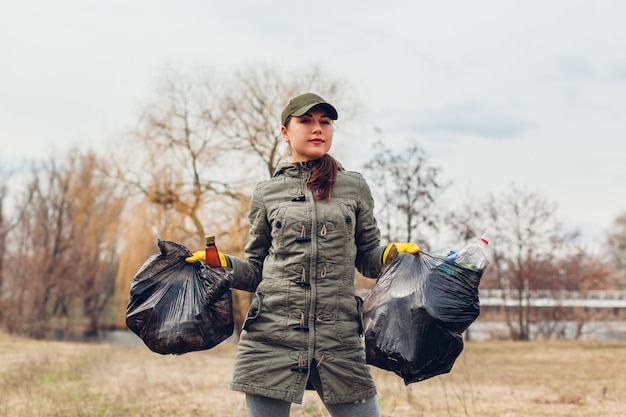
305,102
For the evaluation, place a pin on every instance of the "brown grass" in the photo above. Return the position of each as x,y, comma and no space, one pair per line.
489,379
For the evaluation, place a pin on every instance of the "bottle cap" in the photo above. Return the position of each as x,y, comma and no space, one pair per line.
209,240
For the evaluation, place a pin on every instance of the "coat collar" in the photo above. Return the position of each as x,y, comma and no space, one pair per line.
293,169
296,169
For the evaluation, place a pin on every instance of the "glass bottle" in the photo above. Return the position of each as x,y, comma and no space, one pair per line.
212,255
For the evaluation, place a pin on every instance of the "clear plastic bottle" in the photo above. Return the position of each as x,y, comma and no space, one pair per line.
474,255
212,255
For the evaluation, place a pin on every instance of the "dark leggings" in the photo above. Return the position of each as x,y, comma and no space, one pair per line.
259,406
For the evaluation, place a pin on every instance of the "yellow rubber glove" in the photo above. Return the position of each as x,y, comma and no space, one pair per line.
201,256
393,249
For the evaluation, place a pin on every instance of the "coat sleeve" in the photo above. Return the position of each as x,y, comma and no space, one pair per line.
247,274
367,235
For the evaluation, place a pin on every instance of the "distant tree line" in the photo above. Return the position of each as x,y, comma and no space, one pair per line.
76,227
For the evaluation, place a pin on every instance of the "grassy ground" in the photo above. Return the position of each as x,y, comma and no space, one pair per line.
489,379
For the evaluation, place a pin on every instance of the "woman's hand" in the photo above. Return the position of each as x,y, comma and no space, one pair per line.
201,256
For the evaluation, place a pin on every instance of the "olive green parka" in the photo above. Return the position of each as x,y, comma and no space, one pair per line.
300,261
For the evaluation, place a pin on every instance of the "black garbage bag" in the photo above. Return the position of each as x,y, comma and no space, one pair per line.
176,307
416,313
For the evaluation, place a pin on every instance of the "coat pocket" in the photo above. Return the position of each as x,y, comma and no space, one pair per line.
262,324
254,311
359,312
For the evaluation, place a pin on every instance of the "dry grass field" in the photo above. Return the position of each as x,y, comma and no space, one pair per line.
54,379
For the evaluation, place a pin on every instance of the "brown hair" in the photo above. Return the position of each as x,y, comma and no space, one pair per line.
323,175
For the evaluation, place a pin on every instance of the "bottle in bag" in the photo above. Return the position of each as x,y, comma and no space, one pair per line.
445,267
474,255
212,255
451,255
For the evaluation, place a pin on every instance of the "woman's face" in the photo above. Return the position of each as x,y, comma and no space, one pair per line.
310,135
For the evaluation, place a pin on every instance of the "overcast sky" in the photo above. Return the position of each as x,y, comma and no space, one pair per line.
531,93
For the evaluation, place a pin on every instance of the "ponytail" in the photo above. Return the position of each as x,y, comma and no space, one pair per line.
323,175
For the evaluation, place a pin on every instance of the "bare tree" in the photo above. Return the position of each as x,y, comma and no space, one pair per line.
96,205
466,222
66,247
43,250
525,237
175,158
410,188
7,223
581,272
616,248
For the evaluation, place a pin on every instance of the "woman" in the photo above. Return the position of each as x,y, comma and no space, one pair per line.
310,225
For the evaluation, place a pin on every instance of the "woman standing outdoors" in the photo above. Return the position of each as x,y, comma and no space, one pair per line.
310,226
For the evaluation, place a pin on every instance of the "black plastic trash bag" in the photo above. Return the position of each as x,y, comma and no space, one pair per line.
176,307
415,315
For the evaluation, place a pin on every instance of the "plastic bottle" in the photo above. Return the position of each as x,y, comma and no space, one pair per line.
474,255
451,255
212,255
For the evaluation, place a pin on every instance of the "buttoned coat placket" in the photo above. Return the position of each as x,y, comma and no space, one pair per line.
300,262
